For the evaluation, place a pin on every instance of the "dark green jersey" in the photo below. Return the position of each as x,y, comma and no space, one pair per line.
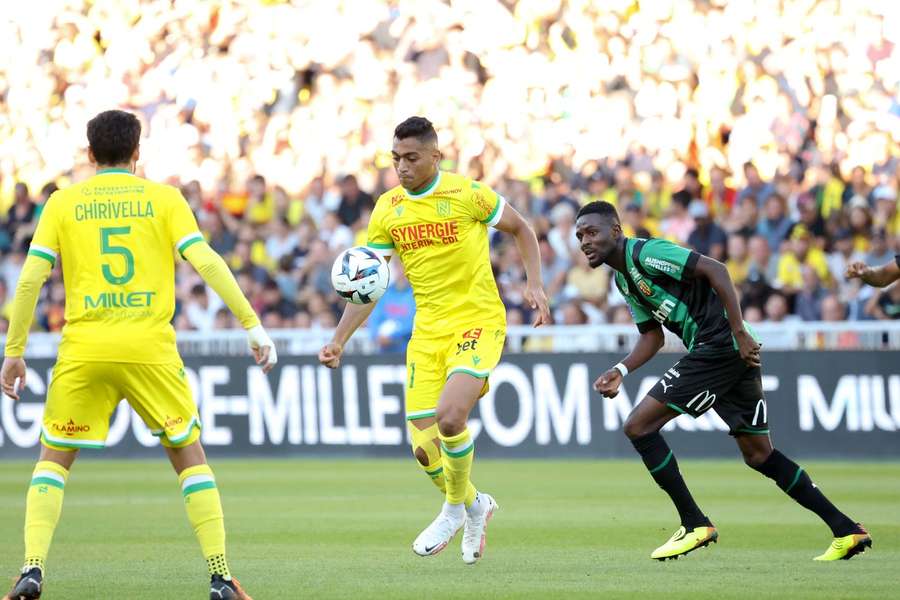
660,289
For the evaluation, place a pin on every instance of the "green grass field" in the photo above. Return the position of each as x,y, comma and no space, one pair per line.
343,529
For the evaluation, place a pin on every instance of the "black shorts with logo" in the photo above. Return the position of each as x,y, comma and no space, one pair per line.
717,379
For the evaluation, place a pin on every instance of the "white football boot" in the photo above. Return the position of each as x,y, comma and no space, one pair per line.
436,536
475,534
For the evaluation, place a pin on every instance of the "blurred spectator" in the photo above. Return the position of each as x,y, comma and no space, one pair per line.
200,310
808,302
755,188
678,224
738,262
707,237
391,321
841,256
353,203
775,224
801,253
252,109
763,264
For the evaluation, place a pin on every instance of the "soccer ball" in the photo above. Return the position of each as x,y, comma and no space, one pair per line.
359,275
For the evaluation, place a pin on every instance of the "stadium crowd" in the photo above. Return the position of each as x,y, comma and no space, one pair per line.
768,142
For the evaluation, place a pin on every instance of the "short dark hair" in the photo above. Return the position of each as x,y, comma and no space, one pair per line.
113,136
599,207
416,127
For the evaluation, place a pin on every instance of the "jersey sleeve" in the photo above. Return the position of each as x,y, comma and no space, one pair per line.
487,205
639,313
45,242
183,229
662,257
378,238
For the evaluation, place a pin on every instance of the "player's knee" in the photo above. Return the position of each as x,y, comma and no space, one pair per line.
753,458
634,428
450,420
421,456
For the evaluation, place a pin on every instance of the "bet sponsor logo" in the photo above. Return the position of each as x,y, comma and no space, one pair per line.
466,346
472,334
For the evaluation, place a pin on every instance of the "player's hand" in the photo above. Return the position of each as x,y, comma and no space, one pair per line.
12,376
330,355
608,383
748,347
263,348
537,300
857,270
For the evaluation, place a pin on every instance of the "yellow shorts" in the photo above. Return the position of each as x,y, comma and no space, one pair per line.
84,395
430,362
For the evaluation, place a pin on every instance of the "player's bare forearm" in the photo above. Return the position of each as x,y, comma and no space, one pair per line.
354,316
719,279
34,273
875,276
646,348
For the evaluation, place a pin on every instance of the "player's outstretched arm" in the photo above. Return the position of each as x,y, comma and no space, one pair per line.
218,276
650,342
354,316
513,223
34,273
718,277
875,276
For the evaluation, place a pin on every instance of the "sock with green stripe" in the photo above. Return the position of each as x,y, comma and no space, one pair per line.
794,482
663,467
458,452
43,505
204,511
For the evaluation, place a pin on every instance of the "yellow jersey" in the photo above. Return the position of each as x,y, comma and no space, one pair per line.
441,237
116,235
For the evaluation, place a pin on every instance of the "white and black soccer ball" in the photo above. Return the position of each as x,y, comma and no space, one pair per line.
359,275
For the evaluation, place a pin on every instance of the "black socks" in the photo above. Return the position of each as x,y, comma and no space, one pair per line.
661,463
794,482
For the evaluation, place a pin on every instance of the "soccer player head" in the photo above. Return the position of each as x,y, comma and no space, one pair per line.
599,232
415,152
113,138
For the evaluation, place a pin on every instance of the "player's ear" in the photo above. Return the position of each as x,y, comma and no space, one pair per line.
136,155
91,157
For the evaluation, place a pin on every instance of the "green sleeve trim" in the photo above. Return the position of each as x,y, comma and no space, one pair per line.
48,257
188,244
493,214
47,481
379,246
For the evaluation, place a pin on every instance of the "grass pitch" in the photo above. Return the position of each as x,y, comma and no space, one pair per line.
343,529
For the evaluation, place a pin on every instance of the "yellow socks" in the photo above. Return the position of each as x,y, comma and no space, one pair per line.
204,511
43,504
423,442
458,453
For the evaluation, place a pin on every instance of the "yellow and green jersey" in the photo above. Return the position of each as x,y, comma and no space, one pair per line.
441,237
660,289
116,235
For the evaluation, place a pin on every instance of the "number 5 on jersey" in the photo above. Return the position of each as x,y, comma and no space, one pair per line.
106,247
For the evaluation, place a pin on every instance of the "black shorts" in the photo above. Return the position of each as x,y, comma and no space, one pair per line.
718,380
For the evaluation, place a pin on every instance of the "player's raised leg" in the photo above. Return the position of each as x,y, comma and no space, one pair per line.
642,428
457,450
850,538
426,447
